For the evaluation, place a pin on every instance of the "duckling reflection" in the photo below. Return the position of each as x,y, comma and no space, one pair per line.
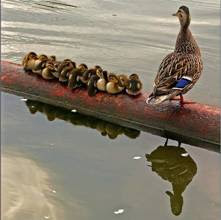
175,165
108,129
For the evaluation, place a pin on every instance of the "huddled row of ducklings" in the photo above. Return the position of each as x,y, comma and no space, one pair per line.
95,79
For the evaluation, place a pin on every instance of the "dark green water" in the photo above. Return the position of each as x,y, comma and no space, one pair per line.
96,174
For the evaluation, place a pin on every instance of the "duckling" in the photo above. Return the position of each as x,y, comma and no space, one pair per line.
88,73
113,86
74,76
47,71
102,82
40,63
92,85
123,80
56,65
64,68
29,61
135,85
97,81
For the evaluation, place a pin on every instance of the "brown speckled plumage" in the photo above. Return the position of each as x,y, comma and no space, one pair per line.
185,61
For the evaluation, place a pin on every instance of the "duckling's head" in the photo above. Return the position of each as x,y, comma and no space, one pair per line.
99,71
134,76
31,55
41,61
123,80
50,66
183,15
52,58
113,78
42,57
67,60
83,67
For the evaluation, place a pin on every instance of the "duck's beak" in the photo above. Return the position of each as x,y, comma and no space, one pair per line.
175,14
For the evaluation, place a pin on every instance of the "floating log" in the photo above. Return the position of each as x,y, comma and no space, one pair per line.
196,124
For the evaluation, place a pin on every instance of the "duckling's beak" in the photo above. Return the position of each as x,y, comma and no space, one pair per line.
175,14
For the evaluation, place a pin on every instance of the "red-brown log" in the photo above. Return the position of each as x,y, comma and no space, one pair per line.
198,123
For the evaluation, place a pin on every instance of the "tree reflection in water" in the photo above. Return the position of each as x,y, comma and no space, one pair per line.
175,165
103,127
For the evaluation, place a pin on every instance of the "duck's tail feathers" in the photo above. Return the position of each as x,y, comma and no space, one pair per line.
182,84
155,100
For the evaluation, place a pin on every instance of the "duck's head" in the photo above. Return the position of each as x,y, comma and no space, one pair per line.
183,15
52,58
50,66
41,61
82,67
134,76
123,80
113,78
31,55
98,70
42,57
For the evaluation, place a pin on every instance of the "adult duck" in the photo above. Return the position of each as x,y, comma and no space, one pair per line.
179,70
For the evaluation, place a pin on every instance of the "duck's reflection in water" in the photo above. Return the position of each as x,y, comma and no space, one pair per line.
104,128
175,165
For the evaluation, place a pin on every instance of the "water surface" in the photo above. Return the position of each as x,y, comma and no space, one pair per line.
91,173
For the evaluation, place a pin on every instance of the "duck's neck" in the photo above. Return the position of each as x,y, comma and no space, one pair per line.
185,42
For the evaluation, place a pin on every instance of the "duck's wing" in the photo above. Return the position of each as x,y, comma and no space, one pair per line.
174,68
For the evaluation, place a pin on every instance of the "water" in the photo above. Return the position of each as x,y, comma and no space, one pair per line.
79,172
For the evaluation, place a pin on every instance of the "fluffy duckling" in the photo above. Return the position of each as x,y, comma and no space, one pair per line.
102,81
47,72
97,81
123,80
88,73
74,76
41,62
64,68
92,85
29,61
113,86
135,85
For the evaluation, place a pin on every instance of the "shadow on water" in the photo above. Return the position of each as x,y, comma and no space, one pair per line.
175,165
107,129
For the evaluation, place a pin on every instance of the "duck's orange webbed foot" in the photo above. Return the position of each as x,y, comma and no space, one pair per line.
182,102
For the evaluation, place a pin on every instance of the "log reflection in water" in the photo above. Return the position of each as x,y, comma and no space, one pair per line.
104,128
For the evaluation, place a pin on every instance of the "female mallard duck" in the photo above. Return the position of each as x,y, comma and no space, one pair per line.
74,76
113,86
180,69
